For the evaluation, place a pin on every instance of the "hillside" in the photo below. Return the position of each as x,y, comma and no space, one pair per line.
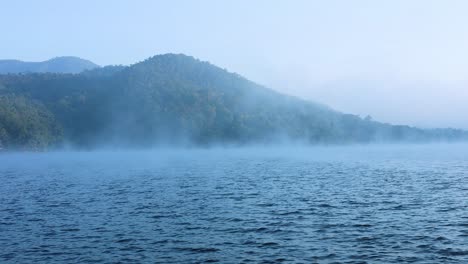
176,99
55,65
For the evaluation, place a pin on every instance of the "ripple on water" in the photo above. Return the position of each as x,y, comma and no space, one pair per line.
234,208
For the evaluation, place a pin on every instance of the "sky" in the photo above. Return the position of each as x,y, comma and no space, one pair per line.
400,61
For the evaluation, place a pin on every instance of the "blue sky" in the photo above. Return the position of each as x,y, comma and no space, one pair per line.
402,61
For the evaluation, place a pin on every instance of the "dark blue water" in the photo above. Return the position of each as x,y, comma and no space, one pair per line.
375,204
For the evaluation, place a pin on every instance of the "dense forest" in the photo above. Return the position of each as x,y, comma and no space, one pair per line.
174,99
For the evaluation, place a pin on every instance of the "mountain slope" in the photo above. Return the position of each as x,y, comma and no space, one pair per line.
176,99
26,124
55,65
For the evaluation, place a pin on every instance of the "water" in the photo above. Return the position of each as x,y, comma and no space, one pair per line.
374,204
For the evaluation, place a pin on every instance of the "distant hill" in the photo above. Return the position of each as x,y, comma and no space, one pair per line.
175,99
55,65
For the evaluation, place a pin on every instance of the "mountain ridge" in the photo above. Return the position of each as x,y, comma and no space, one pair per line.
63,64
176,99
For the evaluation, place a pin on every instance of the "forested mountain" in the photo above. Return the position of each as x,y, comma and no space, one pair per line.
55,65
173,99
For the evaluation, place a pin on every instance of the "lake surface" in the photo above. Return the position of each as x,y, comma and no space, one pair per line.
368,204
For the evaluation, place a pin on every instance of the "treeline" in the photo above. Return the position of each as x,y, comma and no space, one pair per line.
173,99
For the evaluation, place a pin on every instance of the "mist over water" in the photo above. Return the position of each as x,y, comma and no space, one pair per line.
362,203
233,131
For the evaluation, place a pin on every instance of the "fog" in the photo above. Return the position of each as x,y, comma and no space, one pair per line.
299,131
171,155
425,104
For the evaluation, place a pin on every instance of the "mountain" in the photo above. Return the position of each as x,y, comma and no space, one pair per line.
55,65
175,99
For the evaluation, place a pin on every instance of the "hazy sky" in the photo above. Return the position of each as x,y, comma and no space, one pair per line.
400,61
